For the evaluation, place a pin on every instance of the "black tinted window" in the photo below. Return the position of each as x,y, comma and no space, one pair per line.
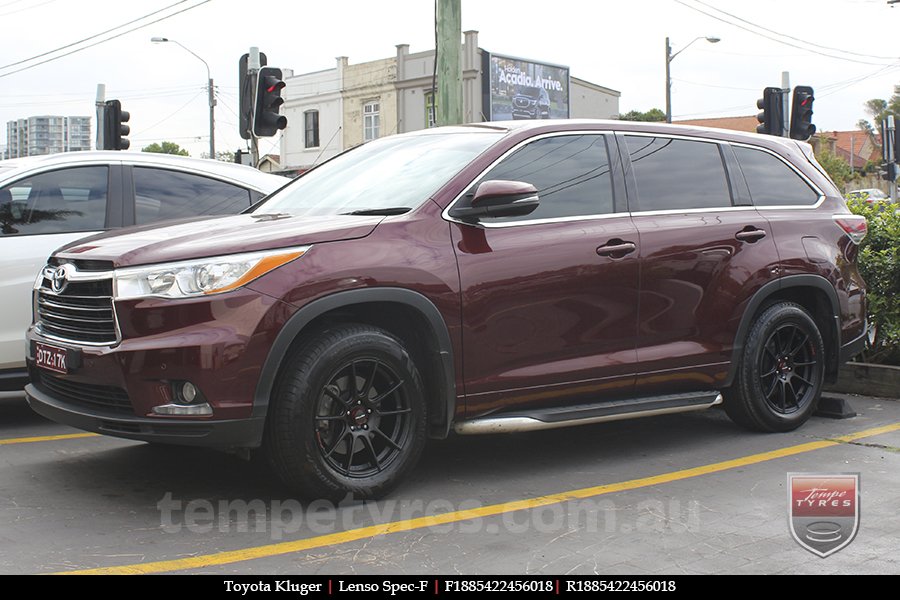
66,200
675,174
161,194
771,182
571,174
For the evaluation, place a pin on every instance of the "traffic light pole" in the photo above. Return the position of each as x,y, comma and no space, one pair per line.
253,73
100,103
891,133
785,99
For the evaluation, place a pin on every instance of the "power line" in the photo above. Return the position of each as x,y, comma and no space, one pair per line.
118,35
23,9
166,118
96,35
774,39
712,85
790,37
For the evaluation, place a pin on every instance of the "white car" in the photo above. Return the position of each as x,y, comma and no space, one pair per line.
870,194
48,201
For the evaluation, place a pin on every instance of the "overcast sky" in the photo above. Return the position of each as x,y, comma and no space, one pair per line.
843,48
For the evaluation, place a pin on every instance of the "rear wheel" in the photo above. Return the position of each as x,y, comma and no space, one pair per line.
780,375
348,416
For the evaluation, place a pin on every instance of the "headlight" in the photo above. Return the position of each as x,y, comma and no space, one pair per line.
200,277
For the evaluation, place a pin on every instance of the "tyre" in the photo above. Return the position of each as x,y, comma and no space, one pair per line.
348,415
781,372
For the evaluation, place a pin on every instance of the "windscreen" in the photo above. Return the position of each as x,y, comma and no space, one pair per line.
398,172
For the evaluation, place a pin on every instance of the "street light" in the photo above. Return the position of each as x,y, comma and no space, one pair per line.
212,94
669,58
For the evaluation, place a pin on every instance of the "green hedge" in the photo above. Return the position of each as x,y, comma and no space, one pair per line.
879,263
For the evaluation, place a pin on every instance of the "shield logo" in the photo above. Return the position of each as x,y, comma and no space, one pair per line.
823,510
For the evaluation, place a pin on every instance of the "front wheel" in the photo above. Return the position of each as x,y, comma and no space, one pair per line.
780,375
348,415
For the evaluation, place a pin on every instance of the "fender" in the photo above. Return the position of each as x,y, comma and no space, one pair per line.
764,293
305,315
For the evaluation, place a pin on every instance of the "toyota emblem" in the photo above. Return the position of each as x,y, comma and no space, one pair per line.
58,279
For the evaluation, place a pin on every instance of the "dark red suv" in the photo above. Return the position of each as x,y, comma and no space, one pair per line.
473,279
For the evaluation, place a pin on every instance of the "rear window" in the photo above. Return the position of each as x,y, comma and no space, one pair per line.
677,174
771,181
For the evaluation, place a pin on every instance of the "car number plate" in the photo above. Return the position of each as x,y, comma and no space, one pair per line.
51,358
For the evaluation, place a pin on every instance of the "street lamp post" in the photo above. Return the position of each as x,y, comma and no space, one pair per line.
212,94
669,58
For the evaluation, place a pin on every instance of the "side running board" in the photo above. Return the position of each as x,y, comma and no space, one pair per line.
617,410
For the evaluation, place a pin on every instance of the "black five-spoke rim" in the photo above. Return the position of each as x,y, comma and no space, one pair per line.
363,418
788,369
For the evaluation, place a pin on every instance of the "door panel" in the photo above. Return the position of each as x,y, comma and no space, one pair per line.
545,319
694,272
550,299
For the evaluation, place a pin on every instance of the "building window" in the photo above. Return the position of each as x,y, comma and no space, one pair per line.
430,110
311,126
371,120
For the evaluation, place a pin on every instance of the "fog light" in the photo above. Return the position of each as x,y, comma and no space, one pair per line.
180,409
188,392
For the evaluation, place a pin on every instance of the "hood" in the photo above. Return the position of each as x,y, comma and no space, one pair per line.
201,237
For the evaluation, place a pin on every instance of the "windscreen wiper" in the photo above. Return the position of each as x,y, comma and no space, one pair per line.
393,210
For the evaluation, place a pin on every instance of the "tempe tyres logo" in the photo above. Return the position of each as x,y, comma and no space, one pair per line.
823,511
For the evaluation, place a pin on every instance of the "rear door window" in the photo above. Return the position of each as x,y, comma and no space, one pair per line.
771,181
60,201
677,174
163,194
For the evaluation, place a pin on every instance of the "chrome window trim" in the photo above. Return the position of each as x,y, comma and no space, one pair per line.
445,214
606,133
749,146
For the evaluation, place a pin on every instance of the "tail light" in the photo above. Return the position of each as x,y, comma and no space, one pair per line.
854,226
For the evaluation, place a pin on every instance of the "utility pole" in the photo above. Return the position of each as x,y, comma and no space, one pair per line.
100,103
449,69
212,119
786,107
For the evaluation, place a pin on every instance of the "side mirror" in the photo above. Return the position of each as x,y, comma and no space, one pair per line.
499,198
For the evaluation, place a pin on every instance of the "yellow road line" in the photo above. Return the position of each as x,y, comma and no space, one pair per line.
47,438
352,535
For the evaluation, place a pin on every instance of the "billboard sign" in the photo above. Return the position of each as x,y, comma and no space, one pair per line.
522,89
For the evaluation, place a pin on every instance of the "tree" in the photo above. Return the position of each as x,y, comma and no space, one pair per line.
654,114
166,148
865,127
836,167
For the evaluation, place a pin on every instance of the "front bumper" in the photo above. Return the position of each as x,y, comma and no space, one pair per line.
235,433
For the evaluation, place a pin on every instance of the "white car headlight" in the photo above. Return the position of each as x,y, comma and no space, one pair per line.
200,277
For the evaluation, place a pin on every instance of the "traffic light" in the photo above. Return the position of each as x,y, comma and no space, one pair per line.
114,128
802,127
771,119
245,92
888,171
266,119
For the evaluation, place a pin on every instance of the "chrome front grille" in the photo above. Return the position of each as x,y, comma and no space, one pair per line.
81,311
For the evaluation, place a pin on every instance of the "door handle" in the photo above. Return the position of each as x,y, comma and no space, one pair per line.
616,248
750,234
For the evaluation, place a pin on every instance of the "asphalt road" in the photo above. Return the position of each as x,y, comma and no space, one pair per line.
684,493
